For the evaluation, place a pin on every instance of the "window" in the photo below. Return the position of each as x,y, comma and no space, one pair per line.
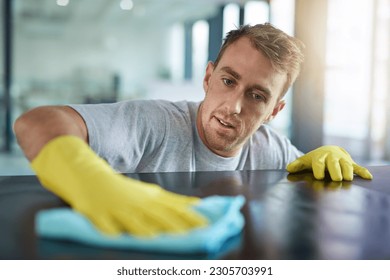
176,52
256,12
281,16
200,42
282,13
231,18
357,70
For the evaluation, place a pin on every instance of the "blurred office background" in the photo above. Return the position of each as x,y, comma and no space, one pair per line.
91,51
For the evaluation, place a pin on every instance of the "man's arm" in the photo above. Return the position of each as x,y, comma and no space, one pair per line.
55,140
35,128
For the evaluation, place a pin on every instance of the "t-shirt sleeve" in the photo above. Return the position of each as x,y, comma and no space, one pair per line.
272,150
125,132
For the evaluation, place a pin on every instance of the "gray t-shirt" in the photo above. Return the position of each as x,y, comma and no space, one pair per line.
161,136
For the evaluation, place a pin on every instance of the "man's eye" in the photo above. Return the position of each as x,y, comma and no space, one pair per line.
227,82
258,96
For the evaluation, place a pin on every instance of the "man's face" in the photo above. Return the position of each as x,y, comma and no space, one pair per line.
242,93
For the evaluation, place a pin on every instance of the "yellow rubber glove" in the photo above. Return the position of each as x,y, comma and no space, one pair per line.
113,202
335,159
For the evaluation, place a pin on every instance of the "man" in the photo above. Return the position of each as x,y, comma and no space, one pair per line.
244,90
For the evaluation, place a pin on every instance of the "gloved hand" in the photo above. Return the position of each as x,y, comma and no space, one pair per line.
333,158
114,203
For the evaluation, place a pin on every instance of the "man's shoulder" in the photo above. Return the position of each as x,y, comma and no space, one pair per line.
269,132
160,104
271,148
175,114
271,137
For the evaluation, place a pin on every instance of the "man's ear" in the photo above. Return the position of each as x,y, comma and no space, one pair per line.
278,107
206,79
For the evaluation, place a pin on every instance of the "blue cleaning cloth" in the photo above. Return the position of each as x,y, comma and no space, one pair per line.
223,213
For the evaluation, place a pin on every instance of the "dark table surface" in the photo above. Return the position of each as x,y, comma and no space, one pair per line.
287,216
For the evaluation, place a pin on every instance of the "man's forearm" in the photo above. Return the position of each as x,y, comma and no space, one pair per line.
37,127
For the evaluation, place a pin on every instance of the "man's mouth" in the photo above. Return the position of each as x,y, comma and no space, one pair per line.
224,123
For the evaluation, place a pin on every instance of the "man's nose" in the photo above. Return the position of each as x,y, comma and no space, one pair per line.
234,103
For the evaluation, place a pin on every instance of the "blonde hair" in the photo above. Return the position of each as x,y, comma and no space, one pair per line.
284,52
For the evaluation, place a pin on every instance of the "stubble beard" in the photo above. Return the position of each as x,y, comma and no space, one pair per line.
219,142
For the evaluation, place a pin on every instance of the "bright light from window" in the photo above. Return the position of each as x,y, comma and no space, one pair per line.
176,52
231,18
200,42
126,4
282,15
256,12
347,81
62,3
